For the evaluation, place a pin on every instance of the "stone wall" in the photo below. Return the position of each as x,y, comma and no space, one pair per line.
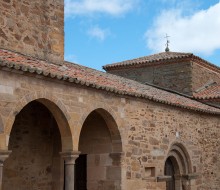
35,28
210,155
202,76
1,125
96,142
138,74
95,136
147,129
152,131
35,162
175,76
182,77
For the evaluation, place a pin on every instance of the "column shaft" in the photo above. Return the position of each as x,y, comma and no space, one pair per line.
69,158
3,156
69,176
1,175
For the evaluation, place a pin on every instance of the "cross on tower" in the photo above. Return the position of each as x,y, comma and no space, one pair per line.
167,44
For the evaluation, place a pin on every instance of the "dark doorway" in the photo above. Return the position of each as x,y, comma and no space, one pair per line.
81,172
169,171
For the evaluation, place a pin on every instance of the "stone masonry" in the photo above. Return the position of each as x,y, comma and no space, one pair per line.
208,76
147,129
42,140
185,75
171,76
33,28
52,113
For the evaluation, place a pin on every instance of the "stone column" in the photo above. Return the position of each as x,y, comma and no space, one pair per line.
117,170
3,156
69,158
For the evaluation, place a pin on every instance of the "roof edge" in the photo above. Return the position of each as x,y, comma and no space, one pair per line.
145,63
32,70
140,62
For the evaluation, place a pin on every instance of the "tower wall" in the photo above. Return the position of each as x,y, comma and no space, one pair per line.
175,76
34,28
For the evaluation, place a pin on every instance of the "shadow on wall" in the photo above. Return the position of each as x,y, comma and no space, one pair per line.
35,142
100,146
1,125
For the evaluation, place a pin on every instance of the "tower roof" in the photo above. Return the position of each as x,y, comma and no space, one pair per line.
160,58
208,93
164,56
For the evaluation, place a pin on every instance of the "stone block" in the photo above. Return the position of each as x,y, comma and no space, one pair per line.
96,173
113,173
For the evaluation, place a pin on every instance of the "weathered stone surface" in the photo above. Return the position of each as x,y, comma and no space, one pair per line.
208,76
184,77
127,140
35,28
35,143
172,76
146,126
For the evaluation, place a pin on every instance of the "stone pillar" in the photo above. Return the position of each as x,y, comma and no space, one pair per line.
117,172
69,164
3,156
178,182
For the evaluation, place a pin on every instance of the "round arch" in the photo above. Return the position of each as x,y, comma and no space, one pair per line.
112,127
58,111
181,155
177,166
38,135
110,118
101,150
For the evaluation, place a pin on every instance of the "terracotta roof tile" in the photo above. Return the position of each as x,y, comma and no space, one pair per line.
149,59
77,74
161,58
211,92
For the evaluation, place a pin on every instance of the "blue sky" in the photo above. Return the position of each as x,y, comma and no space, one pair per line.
99,32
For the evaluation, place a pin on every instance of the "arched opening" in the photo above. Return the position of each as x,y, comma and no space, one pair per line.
170,171
35,141
99,165
177,167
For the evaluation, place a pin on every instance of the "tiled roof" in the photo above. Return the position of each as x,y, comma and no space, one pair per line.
91,78
149,59
160,58
211,92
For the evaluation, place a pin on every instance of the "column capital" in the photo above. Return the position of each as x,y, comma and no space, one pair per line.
70,156
4,154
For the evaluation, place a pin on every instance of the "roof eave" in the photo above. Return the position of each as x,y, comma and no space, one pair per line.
27,69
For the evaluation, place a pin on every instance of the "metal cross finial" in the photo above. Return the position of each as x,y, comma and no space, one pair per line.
167,44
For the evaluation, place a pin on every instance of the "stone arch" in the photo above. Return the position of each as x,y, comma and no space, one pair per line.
39,133
179,161
57,109
101,150
180,153
113,129
110,118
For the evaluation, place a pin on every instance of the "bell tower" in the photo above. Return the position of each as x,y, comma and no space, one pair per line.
34,28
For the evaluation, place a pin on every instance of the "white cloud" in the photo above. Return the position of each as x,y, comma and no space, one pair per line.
89,7
98,33
198,33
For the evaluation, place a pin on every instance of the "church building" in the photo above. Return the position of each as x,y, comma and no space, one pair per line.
151,123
